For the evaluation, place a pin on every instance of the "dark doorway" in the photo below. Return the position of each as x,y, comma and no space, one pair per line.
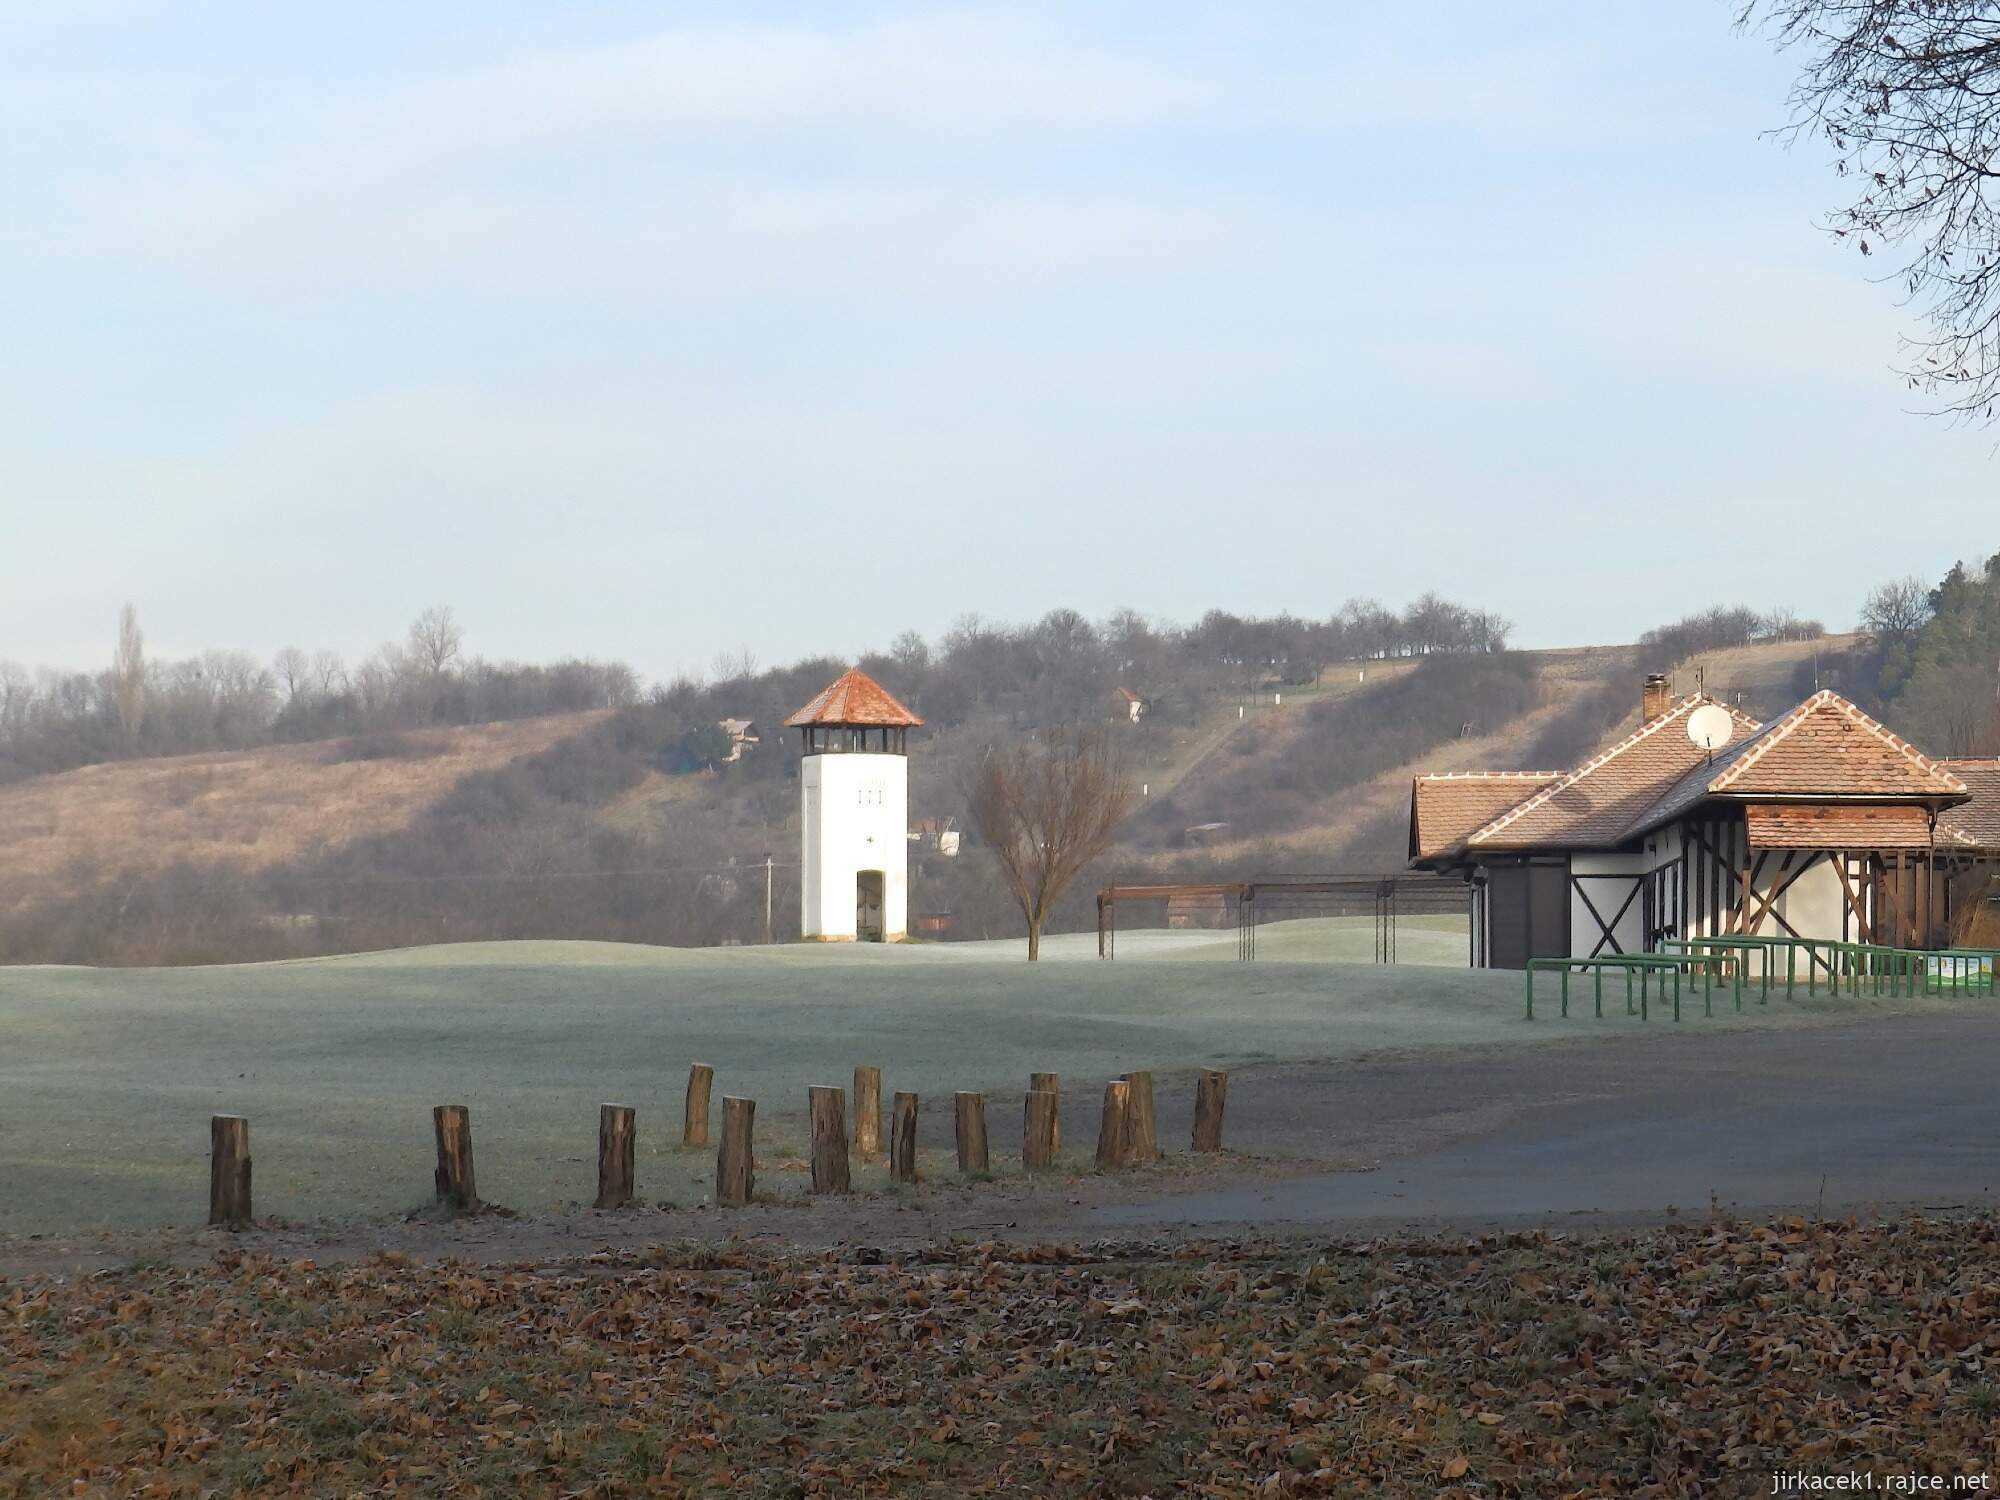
868,906
1527,913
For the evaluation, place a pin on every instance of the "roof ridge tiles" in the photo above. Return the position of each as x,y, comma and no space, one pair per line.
1644,732
1827,698
1488,775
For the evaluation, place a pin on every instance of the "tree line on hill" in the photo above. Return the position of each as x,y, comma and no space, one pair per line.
1053,670
1929,662
227,700
525,851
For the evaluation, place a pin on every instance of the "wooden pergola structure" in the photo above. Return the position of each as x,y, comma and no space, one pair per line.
1384,897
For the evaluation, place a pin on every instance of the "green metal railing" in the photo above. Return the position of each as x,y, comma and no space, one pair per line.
1639,967
1858,967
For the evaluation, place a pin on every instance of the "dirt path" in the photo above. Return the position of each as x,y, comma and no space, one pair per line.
1204,747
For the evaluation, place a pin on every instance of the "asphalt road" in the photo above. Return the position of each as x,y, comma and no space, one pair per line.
1891,1113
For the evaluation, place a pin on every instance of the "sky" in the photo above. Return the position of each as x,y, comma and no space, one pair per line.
655,332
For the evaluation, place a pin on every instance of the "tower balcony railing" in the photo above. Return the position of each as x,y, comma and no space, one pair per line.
842,739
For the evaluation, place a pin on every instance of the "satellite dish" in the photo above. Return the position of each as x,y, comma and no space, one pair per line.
1711,727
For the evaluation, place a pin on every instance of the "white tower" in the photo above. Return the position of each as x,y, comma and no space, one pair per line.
854,786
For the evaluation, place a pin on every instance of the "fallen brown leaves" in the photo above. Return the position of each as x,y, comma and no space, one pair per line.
1692,1361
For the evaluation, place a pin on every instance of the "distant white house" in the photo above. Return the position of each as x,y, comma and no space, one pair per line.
1127,705
742,735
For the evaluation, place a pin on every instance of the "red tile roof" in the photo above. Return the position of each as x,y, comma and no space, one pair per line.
1974,824
1823,757
1838,825
1826,747
1595,805
855,698
1446,806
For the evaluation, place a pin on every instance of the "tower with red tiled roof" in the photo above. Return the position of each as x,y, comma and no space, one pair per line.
854,813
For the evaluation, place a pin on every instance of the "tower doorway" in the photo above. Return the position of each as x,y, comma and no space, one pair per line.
868,906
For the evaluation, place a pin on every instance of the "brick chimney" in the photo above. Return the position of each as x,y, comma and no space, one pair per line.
1657,697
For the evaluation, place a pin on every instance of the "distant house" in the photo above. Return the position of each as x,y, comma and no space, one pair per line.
742,735
1127,705
1820,824
940,834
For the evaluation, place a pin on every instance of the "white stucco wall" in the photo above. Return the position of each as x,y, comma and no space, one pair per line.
854,816
1607,879
1813,904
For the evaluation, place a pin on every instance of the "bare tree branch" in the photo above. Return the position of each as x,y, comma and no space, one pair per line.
1907,94
1047,808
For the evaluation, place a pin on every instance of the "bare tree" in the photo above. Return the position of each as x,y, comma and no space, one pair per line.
912,655
1047,808
294,672
128,674
739,665
1778,623
329,673
1907,94
1957,709
435,640
1897,610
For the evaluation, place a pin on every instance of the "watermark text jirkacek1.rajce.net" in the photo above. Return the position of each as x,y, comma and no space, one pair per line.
1793,1482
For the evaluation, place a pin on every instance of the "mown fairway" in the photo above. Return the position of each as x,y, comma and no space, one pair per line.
108,1077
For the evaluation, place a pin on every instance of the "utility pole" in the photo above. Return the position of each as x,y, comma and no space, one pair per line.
767,900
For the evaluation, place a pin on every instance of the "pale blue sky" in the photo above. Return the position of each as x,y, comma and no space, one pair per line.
657,331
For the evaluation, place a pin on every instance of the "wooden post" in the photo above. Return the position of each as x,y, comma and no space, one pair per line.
1038,1130
616,1140
827,1106
1050,1083
452,1124
971,1111
735,1159
903,1139
229,1171
1211,1092
1111,1128
868,1112
1142,1127
694,1122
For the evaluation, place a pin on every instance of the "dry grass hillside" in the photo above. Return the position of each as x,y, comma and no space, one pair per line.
1363,827
255,807
336,843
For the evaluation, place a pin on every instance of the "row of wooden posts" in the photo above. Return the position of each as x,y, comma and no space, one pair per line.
1128,1133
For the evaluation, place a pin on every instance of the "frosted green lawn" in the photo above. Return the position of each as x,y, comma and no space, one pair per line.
108,1076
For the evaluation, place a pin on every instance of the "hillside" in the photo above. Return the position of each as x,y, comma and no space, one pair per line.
1576,700
592,826
253,807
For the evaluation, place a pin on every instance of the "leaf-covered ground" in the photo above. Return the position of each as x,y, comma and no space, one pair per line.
1689,1361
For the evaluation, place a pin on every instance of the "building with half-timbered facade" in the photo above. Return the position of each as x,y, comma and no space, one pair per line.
1820,824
